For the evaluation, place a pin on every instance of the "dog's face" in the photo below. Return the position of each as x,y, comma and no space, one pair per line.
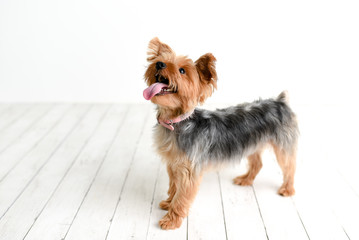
176,82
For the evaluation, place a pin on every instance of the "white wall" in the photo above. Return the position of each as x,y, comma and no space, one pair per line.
77,50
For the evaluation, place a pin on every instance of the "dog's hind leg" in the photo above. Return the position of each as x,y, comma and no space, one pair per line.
254,166
287,162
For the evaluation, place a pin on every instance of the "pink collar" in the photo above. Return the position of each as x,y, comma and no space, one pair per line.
169,123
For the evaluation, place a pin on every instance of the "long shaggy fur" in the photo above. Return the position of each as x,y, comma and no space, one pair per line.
209,139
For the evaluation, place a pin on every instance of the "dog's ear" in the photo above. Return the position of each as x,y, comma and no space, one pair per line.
206,68
157,48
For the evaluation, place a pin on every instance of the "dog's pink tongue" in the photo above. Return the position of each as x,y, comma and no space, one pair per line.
152,90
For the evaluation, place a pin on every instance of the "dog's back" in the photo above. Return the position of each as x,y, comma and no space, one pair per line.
211,137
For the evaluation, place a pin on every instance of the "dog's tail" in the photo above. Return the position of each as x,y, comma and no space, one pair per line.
283,97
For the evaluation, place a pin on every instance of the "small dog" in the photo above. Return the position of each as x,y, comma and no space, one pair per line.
191,140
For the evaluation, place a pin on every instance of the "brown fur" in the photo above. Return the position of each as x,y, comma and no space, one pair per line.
196,86
183,189
183,183
255,165
287,162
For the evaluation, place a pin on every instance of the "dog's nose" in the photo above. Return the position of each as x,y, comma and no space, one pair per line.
160,65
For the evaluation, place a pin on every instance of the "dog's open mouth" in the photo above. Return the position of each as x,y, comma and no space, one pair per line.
159,88
162,79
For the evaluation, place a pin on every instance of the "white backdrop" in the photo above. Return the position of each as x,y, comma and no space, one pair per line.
77,50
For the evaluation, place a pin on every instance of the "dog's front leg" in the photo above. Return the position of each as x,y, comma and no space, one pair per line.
186,182
171,189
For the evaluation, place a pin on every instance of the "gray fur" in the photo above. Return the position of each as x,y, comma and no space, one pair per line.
225,135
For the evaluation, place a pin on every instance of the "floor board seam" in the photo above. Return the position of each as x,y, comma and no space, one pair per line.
125,180
16,118
153,199
260,213
25,130
68,169
223,212
41,167
33,146
97,171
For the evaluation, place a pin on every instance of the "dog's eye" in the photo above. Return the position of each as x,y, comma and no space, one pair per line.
182,71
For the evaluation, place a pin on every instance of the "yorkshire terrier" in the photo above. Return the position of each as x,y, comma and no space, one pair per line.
191,140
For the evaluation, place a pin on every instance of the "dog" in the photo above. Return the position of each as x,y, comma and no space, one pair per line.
192,140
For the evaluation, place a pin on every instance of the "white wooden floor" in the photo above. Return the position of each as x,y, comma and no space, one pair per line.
81,171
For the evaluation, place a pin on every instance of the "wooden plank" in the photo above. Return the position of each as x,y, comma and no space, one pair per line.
20,126
18,179
313,207
94,217
18,220
4,107
59,213
319,198
348,172
132,215
206,220
342,200
13,112
241,211
279,214
324,204
154,231
24,145
343,153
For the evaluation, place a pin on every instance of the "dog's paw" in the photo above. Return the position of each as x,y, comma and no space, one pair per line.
243,180
165,204
170,221
286,191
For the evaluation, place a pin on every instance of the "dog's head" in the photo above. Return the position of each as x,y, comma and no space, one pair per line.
176,82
